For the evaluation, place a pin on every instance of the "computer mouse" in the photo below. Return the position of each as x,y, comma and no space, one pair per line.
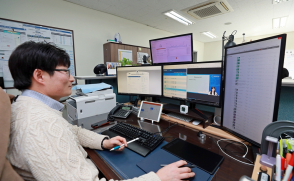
196,122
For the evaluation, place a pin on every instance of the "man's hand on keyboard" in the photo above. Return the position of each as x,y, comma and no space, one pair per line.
172,172
115,141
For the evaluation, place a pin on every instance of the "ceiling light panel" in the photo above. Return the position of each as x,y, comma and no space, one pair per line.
279,22
209,34
176,16
283,21
276,23
279,1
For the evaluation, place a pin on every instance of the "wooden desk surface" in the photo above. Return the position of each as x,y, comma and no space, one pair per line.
228,171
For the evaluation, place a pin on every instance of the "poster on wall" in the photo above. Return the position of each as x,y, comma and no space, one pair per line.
128,54
14,33
289,62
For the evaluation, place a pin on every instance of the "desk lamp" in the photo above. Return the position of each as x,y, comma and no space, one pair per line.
229,43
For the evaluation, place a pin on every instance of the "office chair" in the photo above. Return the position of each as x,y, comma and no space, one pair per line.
6,170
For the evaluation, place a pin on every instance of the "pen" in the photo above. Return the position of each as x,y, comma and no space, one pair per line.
283,162
288,158
117,147
278,167
190,166
289,169
281,147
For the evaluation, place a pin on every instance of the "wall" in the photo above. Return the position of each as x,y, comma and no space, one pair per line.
91,28
212,50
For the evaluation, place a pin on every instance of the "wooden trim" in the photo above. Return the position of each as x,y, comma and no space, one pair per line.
211,130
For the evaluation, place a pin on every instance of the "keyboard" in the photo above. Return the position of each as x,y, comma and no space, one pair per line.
180,117
147,141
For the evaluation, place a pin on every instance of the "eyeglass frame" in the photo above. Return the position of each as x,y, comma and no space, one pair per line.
66,70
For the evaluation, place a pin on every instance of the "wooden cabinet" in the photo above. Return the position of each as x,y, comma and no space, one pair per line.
110,51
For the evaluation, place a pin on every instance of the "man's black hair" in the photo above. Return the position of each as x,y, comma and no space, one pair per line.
30,56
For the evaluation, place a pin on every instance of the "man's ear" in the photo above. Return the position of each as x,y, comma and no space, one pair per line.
39,76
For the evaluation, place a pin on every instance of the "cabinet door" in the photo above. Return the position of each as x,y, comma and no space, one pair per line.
106,53
110,51
134,52
114,51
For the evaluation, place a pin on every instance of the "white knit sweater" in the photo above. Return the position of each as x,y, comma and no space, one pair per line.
44,146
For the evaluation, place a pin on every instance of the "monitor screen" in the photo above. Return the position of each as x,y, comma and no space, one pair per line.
140,80
175,49
252,86
198,82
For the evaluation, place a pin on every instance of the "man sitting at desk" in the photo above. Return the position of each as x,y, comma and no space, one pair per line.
43,145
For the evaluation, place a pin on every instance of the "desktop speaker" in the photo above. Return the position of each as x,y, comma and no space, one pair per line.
100,69
285,73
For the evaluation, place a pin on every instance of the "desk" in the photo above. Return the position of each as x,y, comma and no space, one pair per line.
229,169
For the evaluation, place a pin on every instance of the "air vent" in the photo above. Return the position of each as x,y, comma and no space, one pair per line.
208,9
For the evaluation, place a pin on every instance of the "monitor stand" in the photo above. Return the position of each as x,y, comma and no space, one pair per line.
153,99
138,98
199,113
206,118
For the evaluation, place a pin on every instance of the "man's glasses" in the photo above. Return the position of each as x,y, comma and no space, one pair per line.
67,71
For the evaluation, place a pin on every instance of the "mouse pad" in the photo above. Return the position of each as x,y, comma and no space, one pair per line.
153,162
202,158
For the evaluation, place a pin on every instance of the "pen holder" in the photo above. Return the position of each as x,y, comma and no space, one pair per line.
268,160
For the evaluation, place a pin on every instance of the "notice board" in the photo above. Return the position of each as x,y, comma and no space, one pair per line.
14,33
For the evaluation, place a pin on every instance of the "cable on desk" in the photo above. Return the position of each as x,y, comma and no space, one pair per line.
215,126
231,156
233,153
227,150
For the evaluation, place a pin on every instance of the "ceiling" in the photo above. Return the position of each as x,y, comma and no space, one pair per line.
252,17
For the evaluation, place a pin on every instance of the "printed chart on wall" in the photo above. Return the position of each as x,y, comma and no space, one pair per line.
125,54
14,33
289,62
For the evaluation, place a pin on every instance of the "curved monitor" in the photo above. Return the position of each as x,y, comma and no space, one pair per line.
199,82
174,49
252,86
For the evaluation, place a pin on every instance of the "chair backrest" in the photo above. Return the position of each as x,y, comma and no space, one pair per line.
6,170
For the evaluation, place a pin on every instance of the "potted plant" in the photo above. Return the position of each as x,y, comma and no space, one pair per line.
126,62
